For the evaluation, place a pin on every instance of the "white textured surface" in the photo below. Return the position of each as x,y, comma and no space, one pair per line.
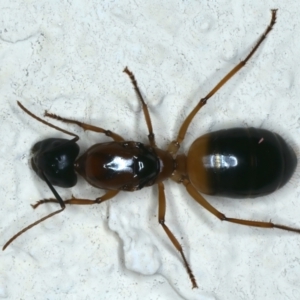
67,57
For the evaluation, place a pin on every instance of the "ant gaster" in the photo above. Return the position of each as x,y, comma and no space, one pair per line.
237,162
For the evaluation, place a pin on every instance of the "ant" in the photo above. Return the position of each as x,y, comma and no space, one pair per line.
237,163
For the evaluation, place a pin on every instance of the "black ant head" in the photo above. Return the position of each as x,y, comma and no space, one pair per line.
54,159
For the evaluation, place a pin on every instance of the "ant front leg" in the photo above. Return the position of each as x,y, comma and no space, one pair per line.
76,201
58,200
201,200
84,126
108,195
161,221
145,107
174,146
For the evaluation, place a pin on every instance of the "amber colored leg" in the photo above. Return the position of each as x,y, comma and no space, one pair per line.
85,126
174,146
74,201
76,138
161,220
200,199
145,107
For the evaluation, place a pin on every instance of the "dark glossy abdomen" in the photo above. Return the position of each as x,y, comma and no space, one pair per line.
240,162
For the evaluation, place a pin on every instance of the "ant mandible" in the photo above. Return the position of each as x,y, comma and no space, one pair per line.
237,162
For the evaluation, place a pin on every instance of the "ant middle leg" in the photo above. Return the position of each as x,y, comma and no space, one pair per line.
151,136
173,239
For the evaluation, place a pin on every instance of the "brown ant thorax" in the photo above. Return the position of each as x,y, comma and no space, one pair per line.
126,166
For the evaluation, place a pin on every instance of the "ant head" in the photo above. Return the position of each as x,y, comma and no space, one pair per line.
54,159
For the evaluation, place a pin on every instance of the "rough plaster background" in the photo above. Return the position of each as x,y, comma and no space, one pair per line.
67,57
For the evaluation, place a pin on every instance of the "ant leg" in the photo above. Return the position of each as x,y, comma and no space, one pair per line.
76,201
76,137
145,107
174,146
200,199
85,126
106,196
109,133
161,221
58,200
